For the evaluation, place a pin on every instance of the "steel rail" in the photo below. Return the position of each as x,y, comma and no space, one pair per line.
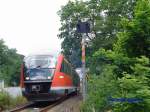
21,107
45,109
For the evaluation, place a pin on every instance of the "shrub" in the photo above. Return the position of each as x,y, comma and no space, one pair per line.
133,83
4,100
7,102
100,88
18,100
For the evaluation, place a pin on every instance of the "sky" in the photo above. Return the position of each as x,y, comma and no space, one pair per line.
31,25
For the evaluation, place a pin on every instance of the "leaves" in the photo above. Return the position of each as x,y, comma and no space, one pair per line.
124,71
10,63
104,17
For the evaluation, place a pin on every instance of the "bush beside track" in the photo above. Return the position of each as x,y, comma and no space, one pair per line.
7,102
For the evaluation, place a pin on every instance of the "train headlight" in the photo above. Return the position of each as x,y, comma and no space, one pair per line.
27,78
61,77
49,77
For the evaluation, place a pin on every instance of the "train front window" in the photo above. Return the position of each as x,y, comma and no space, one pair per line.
39,67
40,61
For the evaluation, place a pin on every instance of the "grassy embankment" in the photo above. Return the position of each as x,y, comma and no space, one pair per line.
7,102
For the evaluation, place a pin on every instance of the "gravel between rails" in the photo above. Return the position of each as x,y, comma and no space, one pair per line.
70,105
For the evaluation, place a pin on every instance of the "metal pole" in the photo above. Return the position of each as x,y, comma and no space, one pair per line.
83,68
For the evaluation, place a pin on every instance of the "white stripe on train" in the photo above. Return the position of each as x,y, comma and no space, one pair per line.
58,88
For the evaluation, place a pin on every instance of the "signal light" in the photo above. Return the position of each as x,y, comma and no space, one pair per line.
83,27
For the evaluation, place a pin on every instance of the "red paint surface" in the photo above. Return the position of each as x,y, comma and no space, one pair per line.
59,62
57,81
22,77
61,82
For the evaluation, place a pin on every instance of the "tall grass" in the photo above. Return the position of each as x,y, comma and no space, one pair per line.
7,102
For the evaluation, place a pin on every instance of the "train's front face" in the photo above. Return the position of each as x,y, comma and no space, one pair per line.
38,73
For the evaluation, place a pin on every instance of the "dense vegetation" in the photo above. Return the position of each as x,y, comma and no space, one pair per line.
10,63
105,17
7,101
119,52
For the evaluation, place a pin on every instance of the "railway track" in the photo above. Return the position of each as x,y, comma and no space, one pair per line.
21,107
51,106
30,106
25,107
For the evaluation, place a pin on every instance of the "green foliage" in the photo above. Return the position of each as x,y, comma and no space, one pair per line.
135,40
10,63
69,15
4,100
17,101
7,102
130,82
129,63
105,57
100,88
105,17
135,85
118,54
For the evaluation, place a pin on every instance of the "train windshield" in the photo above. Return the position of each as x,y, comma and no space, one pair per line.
40,61
39,67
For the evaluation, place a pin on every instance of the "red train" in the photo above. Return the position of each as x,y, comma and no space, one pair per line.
47,78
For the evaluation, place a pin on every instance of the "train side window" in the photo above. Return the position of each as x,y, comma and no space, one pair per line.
66,68
62,67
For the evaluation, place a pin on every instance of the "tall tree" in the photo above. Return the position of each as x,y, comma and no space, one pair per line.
125,69
70,14
135,40
104,15
10,63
